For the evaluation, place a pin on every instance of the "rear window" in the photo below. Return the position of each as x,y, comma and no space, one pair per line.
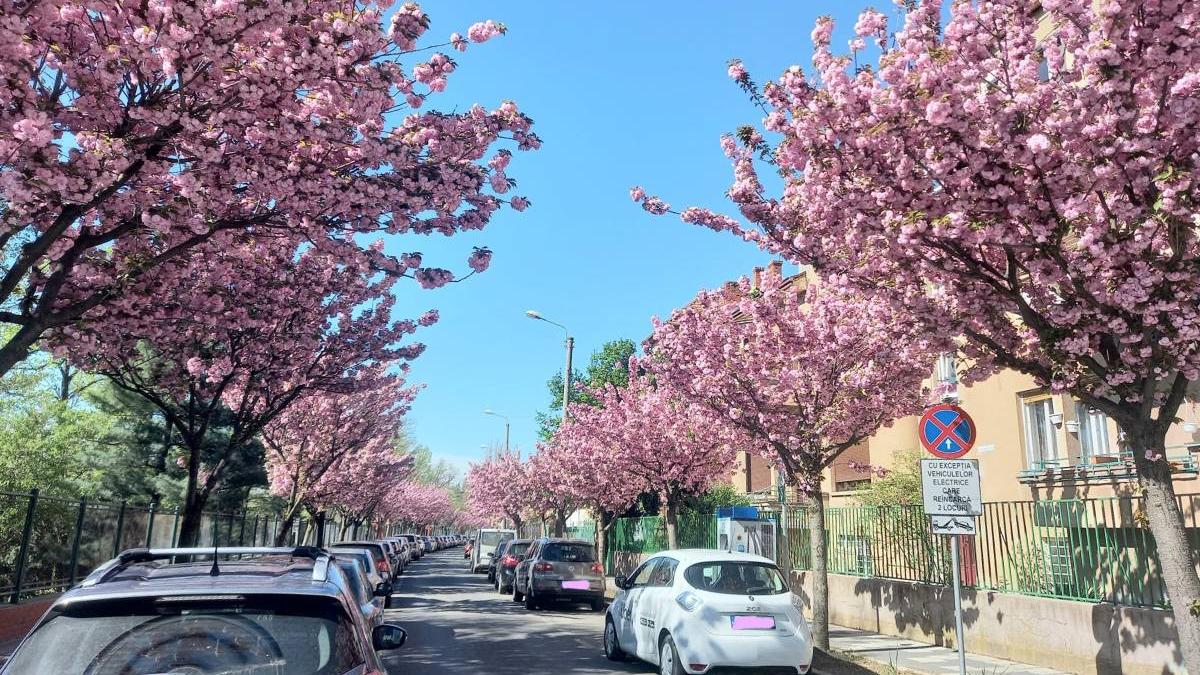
518,548
493,538
582,553
241,635
736,578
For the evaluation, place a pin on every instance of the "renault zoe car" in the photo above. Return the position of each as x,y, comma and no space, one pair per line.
690,611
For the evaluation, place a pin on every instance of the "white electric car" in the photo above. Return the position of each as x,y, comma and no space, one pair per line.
693,610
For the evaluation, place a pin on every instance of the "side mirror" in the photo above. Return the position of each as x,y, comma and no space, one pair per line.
388,636
620,581
383,590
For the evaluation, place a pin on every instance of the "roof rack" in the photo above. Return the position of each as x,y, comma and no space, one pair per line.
320,557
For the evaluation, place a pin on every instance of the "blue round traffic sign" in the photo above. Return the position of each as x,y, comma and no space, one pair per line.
947,431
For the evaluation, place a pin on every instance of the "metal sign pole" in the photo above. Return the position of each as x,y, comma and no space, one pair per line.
958,624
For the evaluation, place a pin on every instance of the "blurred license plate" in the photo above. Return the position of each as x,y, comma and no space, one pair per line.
752,622
581,585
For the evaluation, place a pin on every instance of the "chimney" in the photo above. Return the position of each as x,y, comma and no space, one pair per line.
775,271
757,277
730,290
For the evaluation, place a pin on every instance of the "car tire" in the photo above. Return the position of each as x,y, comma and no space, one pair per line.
668,658
597,604
531,603
612,644
517,596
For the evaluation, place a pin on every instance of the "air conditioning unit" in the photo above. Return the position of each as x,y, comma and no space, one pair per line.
743,532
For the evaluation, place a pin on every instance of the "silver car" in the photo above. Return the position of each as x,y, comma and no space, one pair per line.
559,569
370,600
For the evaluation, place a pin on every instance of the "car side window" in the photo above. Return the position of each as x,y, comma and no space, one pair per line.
664,573
644,574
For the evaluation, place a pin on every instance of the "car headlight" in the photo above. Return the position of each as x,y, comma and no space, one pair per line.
689,601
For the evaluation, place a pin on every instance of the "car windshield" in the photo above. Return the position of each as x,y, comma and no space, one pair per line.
576,553
736,578
234,636
493,538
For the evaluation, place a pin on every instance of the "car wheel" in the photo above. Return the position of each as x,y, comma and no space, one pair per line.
517,597
530,602
597,604
668,658
612,646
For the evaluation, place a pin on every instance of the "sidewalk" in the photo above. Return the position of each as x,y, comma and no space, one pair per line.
919,657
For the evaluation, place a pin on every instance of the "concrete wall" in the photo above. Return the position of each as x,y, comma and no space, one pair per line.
1075,637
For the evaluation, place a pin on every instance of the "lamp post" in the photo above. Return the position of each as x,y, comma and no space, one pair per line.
493,413
533,314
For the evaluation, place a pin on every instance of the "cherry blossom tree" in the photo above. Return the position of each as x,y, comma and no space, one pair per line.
419,505
359,485
224,334
133,132
659,437
585,467
551,491
804,373
320,428
499,488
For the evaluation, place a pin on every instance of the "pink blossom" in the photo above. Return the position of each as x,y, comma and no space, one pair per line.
432,277
637,194
485,30
480,259
737,71
937,112
519,203
1038,143
458,42
34,130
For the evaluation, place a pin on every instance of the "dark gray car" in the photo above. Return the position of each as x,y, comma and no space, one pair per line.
508,555
280,610
559,569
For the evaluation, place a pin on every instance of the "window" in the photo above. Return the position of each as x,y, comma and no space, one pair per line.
570,553
736,578
1093,432
642,576
1041,436
664,572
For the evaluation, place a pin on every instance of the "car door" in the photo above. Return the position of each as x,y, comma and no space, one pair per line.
629,616
657,598
522,577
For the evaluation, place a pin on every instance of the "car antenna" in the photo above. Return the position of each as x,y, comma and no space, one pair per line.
216,568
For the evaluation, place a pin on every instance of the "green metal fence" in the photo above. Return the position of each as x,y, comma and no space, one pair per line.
48,543
1096,550
646,536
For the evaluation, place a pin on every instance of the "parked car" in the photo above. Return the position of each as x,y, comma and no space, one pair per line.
383,563
415,548
366,560
508,556
467,548
559,569
428,543
486,542
370,599
694,610
394,557
283,611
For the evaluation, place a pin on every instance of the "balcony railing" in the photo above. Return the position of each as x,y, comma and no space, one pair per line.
1104,467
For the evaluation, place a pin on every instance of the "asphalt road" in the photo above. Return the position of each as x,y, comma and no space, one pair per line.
458,624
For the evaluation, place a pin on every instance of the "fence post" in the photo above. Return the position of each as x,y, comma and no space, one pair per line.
23,553
175,529
254,532
242,531
150,523
76,539
120,530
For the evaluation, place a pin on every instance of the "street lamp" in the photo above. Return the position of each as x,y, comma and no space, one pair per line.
533,314
493,413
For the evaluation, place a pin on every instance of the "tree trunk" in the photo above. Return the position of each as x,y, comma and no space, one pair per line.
820,572
560,523
194,500
287,521
672,519
1175,557
18,346
606,521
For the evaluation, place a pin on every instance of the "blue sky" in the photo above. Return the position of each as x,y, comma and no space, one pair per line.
622,93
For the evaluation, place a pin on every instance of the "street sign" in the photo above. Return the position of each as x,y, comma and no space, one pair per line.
950,487
947,431
952,524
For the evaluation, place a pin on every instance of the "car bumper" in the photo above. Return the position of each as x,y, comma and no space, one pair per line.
757,651
554,589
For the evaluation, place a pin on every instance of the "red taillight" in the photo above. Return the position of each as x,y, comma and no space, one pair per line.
508,561
381,565
598,569
543,567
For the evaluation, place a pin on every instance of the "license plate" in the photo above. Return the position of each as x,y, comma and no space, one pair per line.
581,585
745,622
